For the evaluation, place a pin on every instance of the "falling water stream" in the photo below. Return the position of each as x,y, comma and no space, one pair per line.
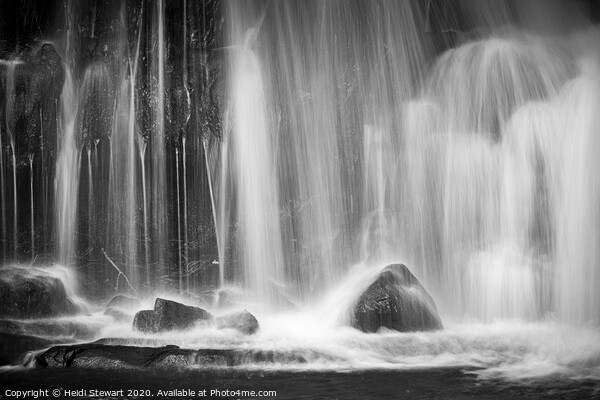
460,141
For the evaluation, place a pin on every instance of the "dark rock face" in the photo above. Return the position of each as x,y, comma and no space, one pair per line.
396,300
169,315
120,302
243,321
146,321
98,355
24,294
13,345
94,355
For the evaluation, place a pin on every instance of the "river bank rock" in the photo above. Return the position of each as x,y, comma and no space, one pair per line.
242,321
396,300
169,315
28,293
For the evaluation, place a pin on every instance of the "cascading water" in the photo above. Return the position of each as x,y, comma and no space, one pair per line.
456,174
324,140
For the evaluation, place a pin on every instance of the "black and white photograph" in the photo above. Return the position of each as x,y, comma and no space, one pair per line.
299,199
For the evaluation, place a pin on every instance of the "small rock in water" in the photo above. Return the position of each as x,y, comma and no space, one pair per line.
120,302
243,321
169,315
398,301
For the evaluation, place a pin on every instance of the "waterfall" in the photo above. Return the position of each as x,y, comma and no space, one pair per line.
478,171
325,137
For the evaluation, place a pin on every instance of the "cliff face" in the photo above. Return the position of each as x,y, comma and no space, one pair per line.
111,52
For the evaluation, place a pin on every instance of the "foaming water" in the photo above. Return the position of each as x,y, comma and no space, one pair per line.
505,349
317,338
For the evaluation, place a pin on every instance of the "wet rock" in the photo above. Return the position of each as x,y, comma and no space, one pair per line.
242,321
93,355
396,300
123,302
118,315
13,345
29,294
169,315
146,321
99,355
173,315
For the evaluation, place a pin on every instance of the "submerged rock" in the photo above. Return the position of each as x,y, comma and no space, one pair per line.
120,302
169,315
32,294
242,321
396,300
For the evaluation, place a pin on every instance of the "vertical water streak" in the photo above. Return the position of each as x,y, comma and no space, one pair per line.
32,209
67,171
10,128
122,234
142,151
216,166
183,149
91,199
185,217
253,156
157,139
179,253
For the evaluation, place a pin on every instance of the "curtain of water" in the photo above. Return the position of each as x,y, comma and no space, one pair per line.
478,171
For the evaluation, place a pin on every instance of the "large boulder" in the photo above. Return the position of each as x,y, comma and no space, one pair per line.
169,315
396,300
242,321
32,293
